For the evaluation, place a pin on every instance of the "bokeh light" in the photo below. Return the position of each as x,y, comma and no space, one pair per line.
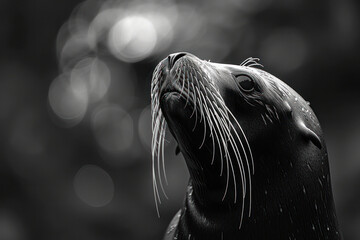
113,129
67,102
144,127
27,137
251,6
101,24
94,186
133,38
91,77
285,50
71,46
10,226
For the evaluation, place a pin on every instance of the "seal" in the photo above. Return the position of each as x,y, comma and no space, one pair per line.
254,149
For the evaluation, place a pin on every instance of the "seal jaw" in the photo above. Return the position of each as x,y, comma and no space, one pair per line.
183,126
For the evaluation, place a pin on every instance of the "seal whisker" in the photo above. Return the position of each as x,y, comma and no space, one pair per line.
188,90
225,132
221,140
268,117
215,129
161,144
234,178
155,192
200,105
228,134
222,133
251,157
163,157
276,113
217,126
238,155
242,213
157,143
155,188
250,62
204,137
212,137
194,104
183,81
245,61
246,140
227,177
239,164
263,119
255,64
242,175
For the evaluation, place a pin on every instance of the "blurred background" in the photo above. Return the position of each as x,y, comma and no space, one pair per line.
75,125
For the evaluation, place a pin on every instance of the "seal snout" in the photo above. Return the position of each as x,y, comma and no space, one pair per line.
173,74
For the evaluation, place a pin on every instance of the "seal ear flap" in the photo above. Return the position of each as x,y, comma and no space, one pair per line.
309,134
177,150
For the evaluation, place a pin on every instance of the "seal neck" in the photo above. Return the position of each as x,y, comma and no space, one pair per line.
210,187
294,208
206,218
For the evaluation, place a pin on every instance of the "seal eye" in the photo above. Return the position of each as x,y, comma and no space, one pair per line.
245,83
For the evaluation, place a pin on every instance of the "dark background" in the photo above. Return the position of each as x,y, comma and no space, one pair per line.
75,128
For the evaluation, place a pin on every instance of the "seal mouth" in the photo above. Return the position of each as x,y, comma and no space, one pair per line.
174,95
179,113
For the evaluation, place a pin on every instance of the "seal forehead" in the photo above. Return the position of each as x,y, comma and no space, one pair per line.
270,91
262,78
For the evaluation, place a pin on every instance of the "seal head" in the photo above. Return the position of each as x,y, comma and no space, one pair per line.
253,147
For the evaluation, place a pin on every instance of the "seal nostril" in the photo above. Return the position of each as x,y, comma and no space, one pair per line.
177,57
174,57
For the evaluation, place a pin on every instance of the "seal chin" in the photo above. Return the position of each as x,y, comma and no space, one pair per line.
176,112
171,101
179,115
